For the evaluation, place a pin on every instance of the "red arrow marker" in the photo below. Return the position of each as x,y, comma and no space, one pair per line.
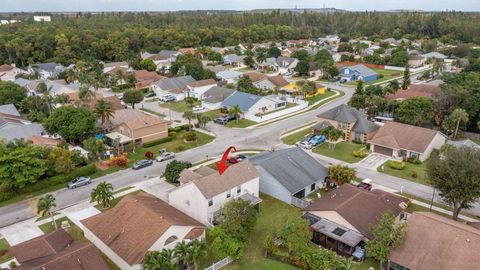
222,166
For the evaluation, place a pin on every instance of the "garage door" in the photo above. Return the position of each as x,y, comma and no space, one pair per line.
383,150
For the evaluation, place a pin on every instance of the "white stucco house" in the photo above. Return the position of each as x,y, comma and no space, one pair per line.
254,105
202,193
212,98
198,88
9,72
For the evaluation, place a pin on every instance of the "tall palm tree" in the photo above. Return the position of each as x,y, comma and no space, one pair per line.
198,250
189,115
46,99
459,116
104,111
45,206
102,194
182,253
85,94
332,134
236,112
159,260
347,264
202,119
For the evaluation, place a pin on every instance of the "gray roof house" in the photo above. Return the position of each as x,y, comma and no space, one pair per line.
244,100
9,109
289,173
46,70
354,124
434,55
230,76
21,132
253,105
233,59
280,64
212,99
171,84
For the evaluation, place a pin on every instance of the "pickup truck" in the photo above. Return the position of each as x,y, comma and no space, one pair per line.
224,119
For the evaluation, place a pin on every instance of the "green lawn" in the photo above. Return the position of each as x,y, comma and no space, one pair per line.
273,213
407,172
74,231
297,136
317,98
178,106
241,123
5,252
153,112
387,75
212,114
287,106
343,151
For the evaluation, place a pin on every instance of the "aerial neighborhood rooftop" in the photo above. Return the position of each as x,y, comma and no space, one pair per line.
265,139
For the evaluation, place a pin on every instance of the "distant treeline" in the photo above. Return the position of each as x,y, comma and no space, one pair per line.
119,36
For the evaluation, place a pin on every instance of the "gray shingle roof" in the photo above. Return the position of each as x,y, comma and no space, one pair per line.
21,132
435,55
347,114
217,94
364,70
321,125
244,100
229,74
292,168
173,83
50,67
9,109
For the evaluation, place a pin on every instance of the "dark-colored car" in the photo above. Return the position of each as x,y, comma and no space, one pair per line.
237,158
79,181
224,119
150,94
142,164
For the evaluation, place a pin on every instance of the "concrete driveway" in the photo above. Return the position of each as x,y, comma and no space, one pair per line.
372,161
21,232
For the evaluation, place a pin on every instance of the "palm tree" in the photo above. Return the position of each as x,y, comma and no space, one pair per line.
85,94
46,98
202,119
438,66
102,194
332,134
45,206
198,250
104,110
347,264
71,76
236,111
182,253
459,116
189,115
156,260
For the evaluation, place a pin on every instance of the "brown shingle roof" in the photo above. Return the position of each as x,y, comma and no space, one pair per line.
57,251
44,141
188,176
424,88
359,207
237,174
202,83
406,94
114,100
135,119
205,170
5,68
195,233
143,75
401,136
435,242
255,76
135,224
278,80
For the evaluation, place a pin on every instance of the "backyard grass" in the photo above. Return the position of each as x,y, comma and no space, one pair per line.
115,201
241,123
317,98
74,231
408,172
5,252
343,151
297,136
152,112
387,75
179,106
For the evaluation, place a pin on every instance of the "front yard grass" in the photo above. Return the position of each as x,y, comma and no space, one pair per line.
74,231
387,75
179,106
5,252
343,151
115,201
408,172
312,100
241,123
297,136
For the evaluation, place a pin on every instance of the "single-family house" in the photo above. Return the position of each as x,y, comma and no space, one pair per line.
9,72
358,72
55,87
229,76
434,55
213,98
191,51
57,250
265,82
353,123
400,141
46,70
341,220
145,79
416,60
203,193
162,59
283,65
234,60
435,242
415,90
287,52
42,18
198,88
21,132
253,105
138,224
174,86
289,174
11,118
115,102
108,67
132,125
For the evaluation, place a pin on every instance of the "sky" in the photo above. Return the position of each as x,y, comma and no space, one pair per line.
172,5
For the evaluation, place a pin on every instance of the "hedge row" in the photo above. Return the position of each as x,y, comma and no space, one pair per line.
159,141
180,128
396,165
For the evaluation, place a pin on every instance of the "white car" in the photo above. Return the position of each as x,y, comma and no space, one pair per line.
165,156
305,145
167,98
198,108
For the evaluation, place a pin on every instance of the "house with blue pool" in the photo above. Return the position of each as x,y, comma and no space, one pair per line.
358,72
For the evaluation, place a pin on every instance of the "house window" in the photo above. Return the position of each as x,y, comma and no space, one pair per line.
342,125
210,202
414,155
229,194
312,187
358,136
239,189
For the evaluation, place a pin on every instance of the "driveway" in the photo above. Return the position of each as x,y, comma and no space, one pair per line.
21,232
372,161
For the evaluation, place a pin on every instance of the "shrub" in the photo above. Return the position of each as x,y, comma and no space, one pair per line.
357,141
180,148
413,161
414,175
186,127
359,153
380,76
396,165
190,136
175,129
173,170
157,142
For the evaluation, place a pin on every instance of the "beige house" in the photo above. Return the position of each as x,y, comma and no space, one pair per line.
8,72
132,125
353,123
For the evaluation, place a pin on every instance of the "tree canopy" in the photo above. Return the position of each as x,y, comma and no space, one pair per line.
70,123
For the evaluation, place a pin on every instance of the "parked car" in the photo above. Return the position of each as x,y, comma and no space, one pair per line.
167,98
365,184
198,108
343,80
316,140
150,94
224,119
306,139
305,145
237,158
142,164
79,181
165,156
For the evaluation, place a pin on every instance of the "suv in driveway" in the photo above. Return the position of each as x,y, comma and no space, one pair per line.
224,119
142,164
167,98
79,181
